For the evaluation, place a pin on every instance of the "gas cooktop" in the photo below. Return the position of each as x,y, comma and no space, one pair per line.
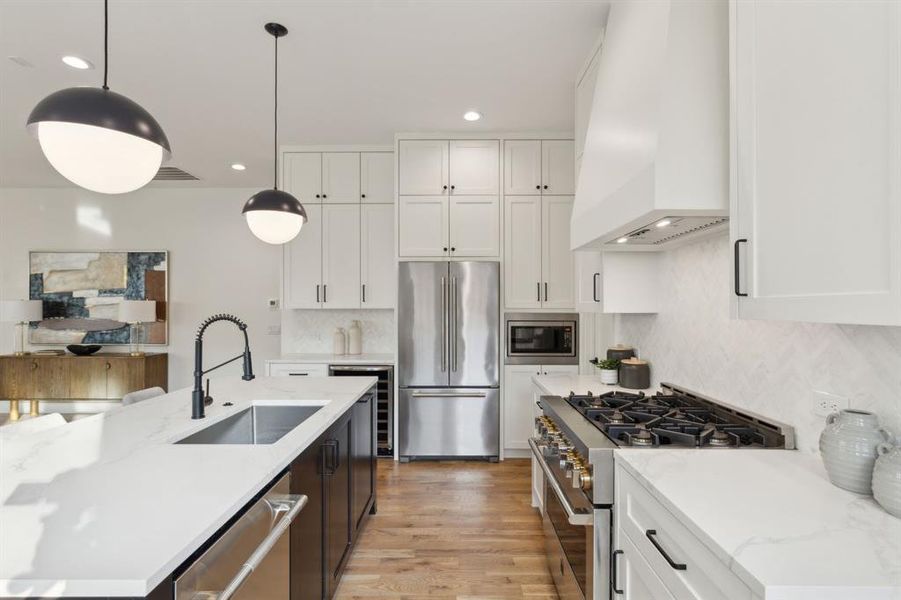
674,418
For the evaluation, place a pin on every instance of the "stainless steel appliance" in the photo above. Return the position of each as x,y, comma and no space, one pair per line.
384,402
251,559
448,328
574,444
542,338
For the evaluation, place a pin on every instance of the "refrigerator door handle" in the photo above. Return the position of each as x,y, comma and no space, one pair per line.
453,312
443,325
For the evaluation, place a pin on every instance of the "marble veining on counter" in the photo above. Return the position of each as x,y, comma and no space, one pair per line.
562,384
367,358
773,517
109,506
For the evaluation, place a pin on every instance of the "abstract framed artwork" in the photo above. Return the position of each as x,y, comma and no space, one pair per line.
81,292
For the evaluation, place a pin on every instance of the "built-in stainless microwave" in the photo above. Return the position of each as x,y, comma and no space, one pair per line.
542,338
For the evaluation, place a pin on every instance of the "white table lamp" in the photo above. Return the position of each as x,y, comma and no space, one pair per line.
21,312
136,313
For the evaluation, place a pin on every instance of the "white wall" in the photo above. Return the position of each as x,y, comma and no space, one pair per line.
769,367
215,264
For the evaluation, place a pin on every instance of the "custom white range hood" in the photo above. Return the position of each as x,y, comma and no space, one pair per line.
657,144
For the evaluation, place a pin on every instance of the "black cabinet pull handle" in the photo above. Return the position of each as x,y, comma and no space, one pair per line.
594,287
330,456
615,582
364,292
325,292
651,533
545,291
738,291
538,289
317,292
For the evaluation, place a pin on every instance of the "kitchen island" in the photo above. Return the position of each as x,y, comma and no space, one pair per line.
111,506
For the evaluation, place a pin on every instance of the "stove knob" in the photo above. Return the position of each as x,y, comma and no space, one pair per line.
585,479
577,471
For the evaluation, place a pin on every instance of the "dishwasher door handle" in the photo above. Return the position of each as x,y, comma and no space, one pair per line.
290,506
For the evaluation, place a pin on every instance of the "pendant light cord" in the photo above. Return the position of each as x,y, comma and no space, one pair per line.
105,43
275,135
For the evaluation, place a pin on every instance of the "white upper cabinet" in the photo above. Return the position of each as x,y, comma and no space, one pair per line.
589,285
474,167
341,177
302,176
376,177
522,252
341,256
556,258
377,270
522,167
303,263
557,170
475,226
422,226
816,202
423,167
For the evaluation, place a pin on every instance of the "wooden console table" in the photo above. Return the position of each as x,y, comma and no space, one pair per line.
101,376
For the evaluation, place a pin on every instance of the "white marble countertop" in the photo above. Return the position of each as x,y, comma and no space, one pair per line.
773,517
562,384
109,506
371,358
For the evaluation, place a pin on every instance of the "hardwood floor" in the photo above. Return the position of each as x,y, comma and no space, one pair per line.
452,530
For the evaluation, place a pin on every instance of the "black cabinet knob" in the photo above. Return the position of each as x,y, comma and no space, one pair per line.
445,248
537,187
362,195
445,187
453,187
545,187
453,249
317,195
324,196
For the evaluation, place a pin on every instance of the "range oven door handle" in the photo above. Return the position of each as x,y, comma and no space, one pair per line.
574,518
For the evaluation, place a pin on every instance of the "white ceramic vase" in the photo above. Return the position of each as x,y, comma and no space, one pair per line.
339,342
609,376
848,447
355,338
887,478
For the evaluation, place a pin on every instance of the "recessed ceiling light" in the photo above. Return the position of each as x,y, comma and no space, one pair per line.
76,62
622,240
238,167
472,115
663,223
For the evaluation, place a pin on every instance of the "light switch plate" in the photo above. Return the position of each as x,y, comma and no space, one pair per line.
824,403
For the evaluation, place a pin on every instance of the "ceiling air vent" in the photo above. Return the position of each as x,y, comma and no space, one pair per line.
173,174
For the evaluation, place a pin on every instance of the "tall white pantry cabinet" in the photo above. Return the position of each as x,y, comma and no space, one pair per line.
344,255
816,156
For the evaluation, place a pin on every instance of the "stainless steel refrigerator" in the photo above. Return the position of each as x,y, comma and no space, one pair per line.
448,328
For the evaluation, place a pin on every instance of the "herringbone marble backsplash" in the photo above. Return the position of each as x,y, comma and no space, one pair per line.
769,367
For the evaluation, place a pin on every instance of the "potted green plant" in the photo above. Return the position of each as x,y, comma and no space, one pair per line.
609,368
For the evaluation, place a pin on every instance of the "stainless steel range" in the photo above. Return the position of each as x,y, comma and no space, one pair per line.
574,444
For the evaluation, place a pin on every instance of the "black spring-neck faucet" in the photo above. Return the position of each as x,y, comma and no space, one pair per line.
197,396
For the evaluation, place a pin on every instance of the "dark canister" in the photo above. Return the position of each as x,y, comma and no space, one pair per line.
620,352
634,374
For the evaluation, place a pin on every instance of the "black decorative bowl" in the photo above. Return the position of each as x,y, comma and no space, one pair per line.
80,350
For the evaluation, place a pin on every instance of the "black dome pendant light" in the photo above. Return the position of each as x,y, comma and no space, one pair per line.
275,216
98,139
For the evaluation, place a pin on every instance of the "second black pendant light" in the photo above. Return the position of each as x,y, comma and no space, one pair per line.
275,216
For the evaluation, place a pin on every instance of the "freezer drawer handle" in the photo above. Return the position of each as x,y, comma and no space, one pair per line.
449,395
290,505
652,535
572,516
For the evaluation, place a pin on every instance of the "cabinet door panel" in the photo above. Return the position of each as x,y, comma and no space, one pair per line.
589,281
518,419
474,167
123,375
50,378
307,565
422,167
377,177
556,257
422,226
558,167
16,378
377,268
341,177
339,528
302,176
475,226
817,191
522,252
634,576
364,455
87,378
303,263
522,167
341,256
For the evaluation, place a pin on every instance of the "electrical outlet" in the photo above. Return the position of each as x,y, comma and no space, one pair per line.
273,303
274,330
825,404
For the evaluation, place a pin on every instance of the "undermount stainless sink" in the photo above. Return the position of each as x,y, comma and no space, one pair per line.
259,424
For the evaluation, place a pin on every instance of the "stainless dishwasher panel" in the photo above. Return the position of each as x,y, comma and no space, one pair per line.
449,422
251,560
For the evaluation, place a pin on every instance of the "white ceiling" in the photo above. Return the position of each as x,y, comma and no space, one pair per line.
352,72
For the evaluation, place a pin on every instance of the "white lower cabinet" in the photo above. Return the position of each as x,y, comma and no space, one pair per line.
519,400
341,256
377,267
654,542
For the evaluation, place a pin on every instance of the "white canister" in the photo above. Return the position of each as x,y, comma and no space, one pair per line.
887,478
355,338
609,376
848,447
339,342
